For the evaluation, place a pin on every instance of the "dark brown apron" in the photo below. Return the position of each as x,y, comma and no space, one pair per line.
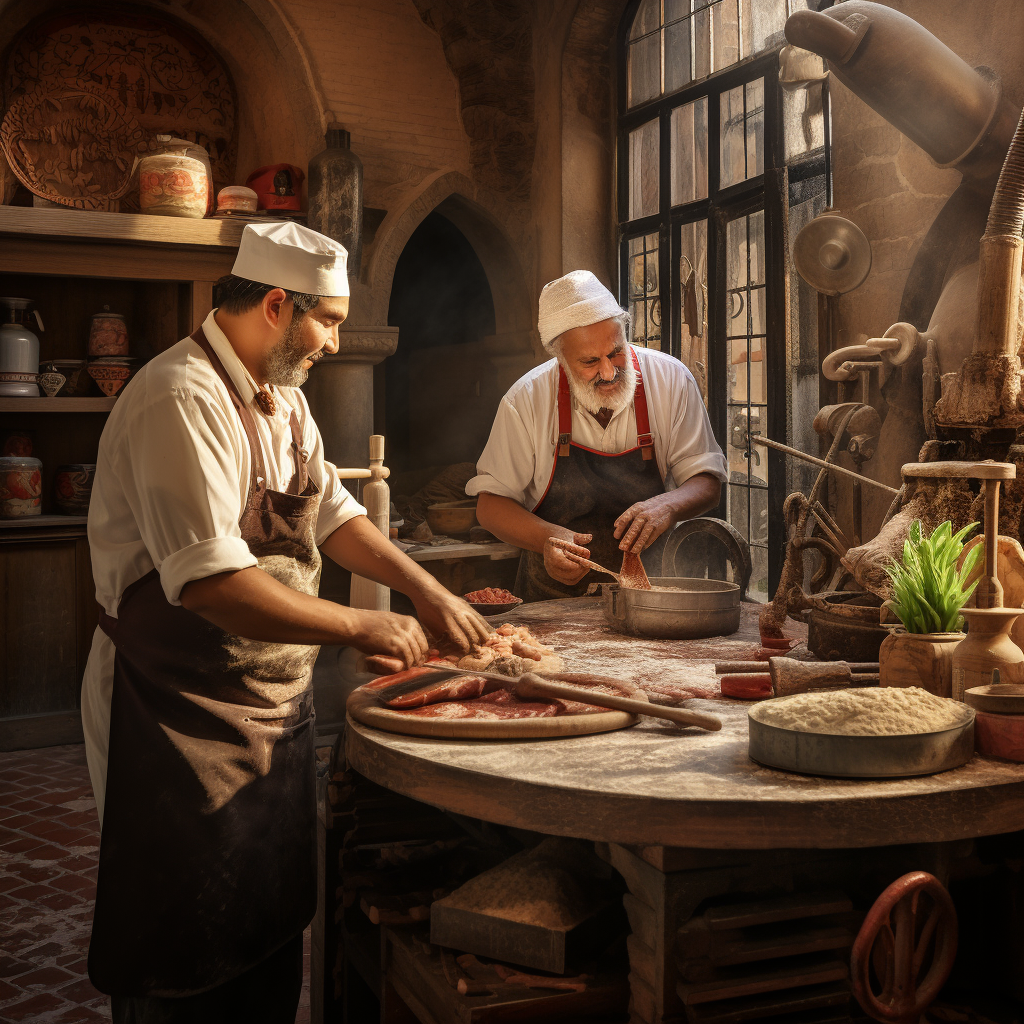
207,855
587,492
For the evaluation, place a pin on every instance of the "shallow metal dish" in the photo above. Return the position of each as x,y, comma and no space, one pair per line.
698,608
452,518
870,757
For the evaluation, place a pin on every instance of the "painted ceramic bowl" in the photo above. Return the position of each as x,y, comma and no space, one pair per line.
21,487
73,488
110,377
76,381
51,382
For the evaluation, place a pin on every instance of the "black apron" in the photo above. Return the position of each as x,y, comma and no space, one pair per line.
587,492
207,852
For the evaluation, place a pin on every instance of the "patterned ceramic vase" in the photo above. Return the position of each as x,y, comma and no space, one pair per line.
73,488
109,376
108,334
21,487
52,382
175,183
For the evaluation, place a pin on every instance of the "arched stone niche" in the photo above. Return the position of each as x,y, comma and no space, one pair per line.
456,197
280,107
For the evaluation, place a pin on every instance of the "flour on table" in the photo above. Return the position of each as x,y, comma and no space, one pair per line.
864,711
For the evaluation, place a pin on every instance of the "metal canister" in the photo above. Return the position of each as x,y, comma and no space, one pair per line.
21,487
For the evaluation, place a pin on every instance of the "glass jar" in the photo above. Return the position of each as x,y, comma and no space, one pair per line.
21,487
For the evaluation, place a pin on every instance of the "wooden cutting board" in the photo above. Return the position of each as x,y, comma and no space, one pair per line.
365,707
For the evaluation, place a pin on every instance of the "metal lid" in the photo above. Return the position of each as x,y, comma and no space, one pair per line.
832,254
8,462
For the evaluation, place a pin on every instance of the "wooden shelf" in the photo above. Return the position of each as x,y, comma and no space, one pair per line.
33,521
56,404
131,228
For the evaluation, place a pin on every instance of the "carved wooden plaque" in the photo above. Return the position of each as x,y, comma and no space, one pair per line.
75,146
167,79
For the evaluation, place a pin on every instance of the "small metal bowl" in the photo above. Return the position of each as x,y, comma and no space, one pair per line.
495,609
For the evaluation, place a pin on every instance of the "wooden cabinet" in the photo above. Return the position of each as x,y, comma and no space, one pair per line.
159,273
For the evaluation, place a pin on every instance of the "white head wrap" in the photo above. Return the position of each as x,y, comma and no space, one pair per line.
576,300
287,255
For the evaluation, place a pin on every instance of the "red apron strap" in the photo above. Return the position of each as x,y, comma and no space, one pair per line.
644,437
564,414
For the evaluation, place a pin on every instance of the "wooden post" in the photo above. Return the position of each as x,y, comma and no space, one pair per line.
377,501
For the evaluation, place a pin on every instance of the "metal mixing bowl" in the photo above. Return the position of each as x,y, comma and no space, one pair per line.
698,608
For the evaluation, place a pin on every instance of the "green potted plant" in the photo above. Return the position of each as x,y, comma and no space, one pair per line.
928,593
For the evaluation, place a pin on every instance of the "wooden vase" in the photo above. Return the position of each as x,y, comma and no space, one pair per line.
918,659
987,646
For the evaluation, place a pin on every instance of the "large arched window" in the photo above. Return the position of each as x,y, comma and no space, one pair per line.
723,150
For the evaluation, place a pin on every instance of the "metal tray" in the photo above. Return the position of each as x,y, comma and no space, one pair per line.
870,757
699,608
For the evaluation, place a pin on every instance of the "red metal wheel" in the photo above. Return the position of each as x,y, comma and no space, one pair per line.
895,939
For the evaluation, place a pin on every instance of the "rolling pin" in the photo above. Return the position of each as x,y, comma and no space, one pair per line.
761,667
787,676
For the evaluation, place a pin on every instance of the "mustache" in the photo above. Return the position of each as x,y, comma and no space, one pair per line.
620,376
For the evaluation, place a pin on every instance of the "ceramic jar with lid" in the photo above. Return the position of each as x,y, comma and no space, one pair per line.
176,181
21,487
235,199
108,334
73,487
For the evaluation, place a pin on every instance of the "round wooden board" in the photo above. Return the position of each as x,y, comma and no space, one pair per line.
365,708
997,698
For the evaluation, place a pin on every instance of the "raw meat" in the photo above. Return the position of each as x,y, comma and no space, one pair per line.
491,595
632,574
457,688
494,706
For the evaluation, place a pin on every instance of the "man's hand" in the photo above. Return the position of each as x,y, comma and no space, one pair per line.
442,613
643,523
389,633
561,568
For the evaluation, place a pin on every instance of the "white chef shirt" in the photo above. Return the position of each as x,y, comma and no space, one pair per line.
520,452
172,477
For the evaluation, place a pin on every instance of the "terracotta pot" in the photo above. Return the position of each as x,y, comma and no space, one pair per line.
918,659
108,335
988,646
110,378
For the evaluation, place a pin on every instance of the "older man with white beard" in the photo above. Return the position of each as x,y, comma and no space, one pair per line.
605,446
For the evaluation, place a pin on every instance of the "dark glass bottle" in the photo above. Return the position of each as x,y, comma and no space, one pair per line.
335,191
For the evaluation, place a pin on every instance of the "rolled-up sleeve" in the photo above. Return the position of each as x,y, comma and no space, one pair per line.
506,466
692,447
185,492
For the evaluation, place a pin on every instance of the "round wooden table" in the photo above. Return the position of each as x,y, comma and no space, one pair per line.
655,785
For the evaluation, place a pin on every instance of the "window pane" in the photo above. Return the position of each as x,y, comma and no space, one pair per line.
647,19
746,29
701,44
677,55
725,30
644,290
742,132
733,146
755,127
693,285
689,152
644,71
644,194
769,17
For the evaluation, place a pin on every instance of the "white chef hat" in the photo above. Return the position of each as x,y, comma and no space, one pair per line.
576,300
287,255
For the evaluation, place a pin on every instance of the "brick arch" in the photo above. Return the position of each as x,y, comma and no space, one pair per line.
456,197
280,101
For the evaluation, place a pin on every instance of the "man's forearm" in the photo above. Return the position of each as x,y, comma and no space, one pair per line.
362,549
510,522
251,603
695,496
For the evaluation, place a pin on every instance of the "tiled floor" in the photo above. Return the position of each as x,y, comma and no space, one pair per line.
49,844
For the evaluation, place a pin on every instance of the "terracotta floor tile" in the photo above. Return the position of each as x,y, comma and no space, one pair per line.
30,1009
61,901
46,852
35,872
80,1015
44,977
21,845
16,819
11,966
31,892
8,991
81,991
72,883
23,806
47,951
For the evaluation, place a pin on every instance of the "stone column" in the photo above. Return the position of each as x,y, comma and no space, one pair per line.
340,393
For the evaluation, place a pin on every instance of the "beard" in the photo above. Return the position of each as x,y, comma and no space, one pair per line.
283,366
594,399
